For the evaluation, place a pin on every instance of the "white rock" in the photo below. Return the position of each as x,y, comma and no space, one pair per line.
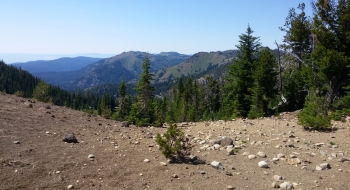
318,168
163,163
251,156
286,185
91,156
275,159
202,142
216,164
70,187
216,146
325,166
263,164
146,160
281,156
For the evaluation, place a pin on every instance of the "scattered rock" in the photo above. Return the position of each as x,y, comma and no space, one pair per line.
230,187
294,161
202,172
246,153
125,124
175,176
16,142
261,154
325,166
286,185
91,156
217,165
277,177
275,185
224,141
280,156
70,187
146,160
28,105
251,156
263,164
343,159
228,173
70,138
163,163
216,146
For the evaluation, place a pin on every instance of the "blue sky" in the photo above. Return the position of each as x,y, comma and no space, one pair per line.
154,26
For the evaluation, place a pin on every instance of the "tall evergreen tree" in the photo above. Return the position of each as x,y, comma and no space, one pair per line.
332,53
298,44
123,101
145,95
265,84
237,92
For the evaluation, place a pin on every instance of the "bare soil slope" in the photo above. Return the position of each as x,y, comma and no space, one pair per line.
40,160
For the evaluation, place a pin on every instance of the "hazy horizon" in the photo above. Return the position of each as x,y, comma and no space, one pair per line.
113,26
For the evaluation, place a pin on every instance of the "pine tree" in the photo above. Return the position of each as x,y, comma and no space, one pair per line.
237,95
123,101
42,92
298,44
265,84
332,53
145,95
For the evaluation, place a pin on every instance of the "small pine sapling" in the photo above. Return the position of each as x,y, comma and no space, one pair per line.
173,143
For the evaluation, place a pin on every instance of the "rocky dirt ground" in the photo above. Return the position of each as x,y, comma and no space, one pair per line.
33,155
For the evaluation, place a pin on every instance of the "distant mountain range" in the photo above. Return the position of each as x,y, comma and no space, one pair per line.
57,65
101,74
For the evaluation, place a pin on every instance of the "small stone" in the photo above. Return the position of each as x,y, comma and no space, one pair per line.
286,185
325,166
277,177
217,165
263,164
228,173
70,187
216,146
175,176
294,161
202,172
163,163
275,159
278,146
91,156
246,153
202,142
318,168
275,185
280,156
146,160
251,156
230,187
70,138
224,141
16,142
261,154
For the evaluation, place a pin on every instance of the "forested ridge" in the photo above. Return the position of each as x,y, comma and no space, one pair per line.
309,71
